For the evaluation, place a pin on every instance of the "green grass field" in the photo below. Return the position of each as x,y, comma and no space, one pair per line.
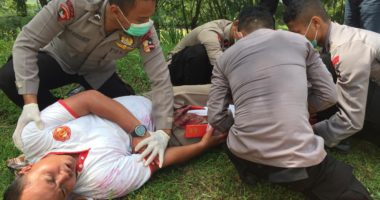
210,176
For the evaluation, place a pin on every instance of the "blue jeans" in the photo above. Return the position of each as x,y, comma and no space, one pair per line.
363,14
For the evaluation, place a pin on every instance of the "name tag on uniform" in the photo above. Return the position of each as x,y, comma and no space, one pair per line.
126,43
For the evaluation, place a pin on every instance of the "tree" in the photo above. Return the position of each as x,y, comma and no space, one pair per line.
197,12
21,8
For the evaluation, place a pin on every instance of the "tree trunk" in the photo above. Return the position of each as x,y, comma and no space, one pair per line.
156,22
194,21
21,8
184,16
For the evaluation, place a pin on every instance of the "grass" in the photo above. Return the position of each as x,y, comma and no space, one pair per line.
210,176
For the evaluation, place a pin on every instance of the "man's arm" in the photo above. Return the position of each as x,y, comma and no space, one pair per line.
134,174
35,35
162,91
322,93
180,154
211,42
353,69
162,96
93,102
219,99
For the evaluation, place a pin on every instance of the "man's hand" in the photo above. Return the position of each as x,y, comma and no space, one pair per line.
313,119
213,137
156,144
30,112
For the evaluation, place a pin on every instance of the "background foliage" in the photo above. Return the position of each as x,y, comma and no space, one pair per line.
184,14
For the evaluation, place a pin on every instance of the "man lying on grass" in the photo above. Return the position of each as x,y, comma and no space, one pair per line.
85,149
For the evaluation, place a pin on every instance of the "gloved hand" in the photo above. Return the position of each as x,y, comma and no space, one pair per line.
30,112
156,144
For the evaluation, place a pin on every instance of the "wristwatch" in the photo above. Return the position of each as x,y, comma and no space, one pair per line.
139,131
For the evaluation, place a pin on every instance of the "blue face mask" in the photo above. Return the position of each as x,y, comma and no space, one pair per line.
136,29
313,42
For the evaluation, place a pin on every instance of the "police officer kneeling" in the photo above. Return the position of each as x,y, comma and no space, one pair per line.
78,41
270,135
192,59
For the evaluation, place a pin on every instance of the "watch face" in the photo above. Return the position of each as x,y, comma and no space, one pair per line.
140,130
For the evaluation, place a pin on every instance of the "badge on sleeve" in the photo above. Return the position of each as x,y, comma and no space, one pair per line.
148,45
147,42
66,11
335,60
62,133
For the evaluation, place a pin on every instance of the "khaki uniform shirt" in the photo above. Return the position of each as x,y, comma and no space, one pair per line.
355,55
212,35
266,75
73,32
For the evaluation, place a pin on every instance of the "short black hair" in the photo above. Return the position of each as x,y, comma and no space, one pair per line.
304,10
14,190
122,3
255,17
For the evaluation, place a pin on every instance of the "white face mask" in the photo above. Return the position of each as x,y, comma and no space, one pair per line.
313,42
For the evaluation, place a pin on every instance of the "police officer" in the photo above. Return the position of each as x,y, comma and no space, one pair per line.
356,60
78,41
270,136
191,61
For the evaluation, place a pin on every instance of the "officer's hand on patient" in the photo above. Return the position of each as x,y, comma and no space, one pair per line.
212,138
30,112
156,145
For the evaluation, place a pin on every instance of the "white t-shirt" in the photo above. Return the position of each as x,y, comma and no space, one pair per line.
107,168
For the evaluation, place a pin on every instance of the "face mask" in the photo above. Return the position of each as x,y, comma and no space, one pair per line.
313,42
136,29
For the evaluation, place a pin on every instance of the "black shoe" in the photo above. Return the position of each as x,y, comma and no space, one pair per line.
343,147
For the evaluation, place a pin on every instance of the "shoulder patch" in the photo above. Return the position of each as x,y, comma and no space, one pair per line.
148,45
65,11
62,133
335,60
147,42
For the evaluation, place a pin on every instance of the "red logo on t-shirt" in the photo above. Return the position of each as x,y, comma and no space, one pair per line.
62,133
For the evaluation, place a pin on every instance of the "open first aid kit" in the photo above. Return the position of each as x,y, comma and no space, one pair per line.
190,124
